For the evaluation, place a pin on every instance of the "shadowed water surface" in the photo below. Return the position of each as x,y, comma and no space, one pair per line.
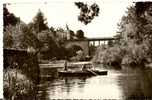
115,85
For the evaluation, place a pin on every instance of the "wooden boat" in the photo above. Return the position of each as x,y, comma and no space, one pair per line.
82,73
87,71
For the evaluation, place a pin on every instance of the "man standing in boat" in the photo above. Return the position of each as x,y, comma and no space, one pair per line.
65,65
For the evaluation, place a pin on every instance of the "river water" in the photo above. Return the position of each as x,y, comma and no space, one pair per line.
117,84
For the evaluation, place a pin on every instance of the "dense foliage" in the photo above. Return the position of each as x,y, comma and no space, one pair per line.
9,18
80,34
17,86
39,23
135,43
87,13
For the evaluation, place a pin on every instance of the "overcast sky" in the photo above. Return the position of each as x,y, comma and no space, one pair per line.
62,12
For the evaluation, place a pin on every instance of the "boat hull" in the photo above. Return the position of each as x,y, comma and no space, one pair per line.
82,73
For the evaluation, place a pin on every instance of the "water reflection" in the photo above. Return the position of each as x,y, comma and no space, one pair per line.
137,84
116,85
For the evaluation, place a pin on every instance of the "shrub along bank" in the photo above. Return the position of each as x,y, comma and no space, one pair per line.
21,75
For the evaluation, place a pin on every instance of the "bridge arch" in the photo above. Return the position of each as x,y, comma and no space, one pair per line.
84,44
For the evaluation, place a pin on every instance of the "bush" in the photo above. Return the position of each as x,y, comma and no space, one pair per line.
98,58
17,86
79,56
110,56
130,54
137,54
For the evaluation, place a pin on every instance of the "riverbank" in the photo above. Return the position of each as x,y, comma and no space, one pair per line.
21,75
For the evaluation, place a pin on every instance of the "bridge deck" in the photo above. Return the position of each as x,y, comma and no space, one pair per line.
95,39
102,39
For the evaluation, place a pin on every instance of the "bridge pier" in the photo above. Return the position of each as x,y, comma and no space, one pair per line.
99,43
104,42
93,43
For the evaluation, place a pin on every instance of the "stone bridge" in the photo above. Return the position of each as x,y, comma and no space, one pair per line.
85,43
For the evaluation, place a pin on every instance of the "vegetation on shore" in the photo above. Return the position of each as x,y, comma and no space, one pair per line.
17,86
135,39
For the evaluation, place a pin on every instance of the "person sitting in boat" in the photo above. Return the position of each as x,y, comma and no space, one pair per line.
88,68
84,68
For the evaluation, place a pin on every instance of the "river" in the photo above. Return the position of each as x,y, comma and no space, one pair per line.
117,84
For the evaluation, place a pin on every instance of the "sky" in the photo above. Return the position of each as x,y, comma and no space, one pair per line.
62,12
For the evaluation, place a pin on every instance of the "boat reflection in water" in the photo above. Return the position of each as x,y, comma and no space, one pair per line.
96,87
116,85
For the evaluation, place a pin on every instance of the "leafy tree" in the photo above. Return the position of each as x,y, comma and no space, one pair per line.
13,36
136,30
52,29
80,34
136,54
51,47
39,22
9,18
137,24
87,13
30,39
72,50
20,36
79,56
135,37
141,7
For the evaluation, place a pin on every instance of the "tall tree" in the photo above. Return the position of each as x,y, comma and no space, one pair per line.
80,34
13,36
39,22
50,47
136,28
137,25
9,18
20,36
